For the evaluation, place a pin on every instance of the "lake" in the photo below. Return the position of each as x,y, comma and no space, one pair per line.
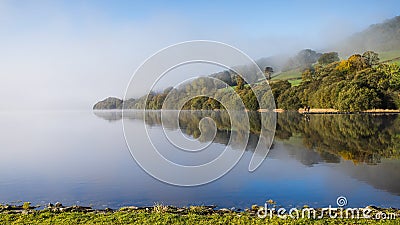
81,157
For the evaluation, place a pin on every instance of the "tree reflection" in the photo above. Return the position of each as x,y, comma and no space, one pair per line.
357,137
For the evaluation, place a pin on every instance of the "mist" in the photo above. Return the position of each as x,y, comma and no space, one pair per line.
55,56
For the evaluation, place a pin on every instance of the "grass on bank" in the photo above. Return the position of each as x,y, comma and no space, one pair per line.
143,217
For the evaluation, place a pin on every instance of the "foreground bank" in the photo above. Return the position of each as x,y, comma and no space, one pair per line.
160,214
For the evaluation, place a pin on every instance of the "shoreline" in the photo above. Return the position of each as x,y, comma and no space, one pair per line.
163,214
301,111
334,111
58,207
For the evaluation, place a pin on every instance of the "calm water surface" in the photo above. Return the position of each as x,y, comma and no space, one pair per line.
81,158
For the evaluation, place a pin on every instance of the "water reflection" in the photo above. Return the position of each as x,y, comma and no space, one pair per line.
357,137
79,158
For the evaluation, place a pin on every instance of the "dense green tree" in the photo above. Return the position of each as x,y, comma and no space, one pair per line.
371,58
353,64
289,99
278,87
109,103
328,57
393,72
303,59
240,83
353,97
250,100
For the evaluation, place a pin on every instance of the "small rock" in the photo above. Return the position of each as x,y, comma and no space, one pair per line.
224,210
58,204
180,210
127,208
372,207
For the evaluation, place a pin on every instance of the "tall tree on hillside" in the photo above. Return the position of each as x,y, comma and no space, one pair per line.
353,64
371,58
268,72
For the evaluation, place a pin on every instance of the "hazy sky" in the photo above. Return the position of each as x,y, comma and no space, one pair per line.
70,54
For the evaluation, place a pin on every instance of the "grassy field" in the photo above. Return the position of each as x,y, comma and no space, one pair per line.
287,75
143,217
393,56
293,76
295,82
383,56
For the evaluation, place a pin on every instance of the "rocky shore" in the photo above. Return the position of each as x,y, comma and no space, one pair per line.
161,214
58,207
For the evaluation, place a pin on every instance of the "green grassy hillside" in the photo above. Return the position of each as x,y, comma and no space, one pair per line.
288,75
390,56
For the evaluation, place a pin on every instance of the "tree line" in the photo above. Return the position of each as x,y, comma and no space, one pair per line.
357,83
354,84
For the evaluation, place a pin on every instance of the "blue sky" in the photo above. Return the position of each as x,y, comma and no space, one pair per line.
77,52
285,16
309,20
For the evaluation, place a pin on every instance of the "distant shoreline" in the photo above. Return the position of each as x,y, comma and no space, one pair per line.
301,111
334,111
